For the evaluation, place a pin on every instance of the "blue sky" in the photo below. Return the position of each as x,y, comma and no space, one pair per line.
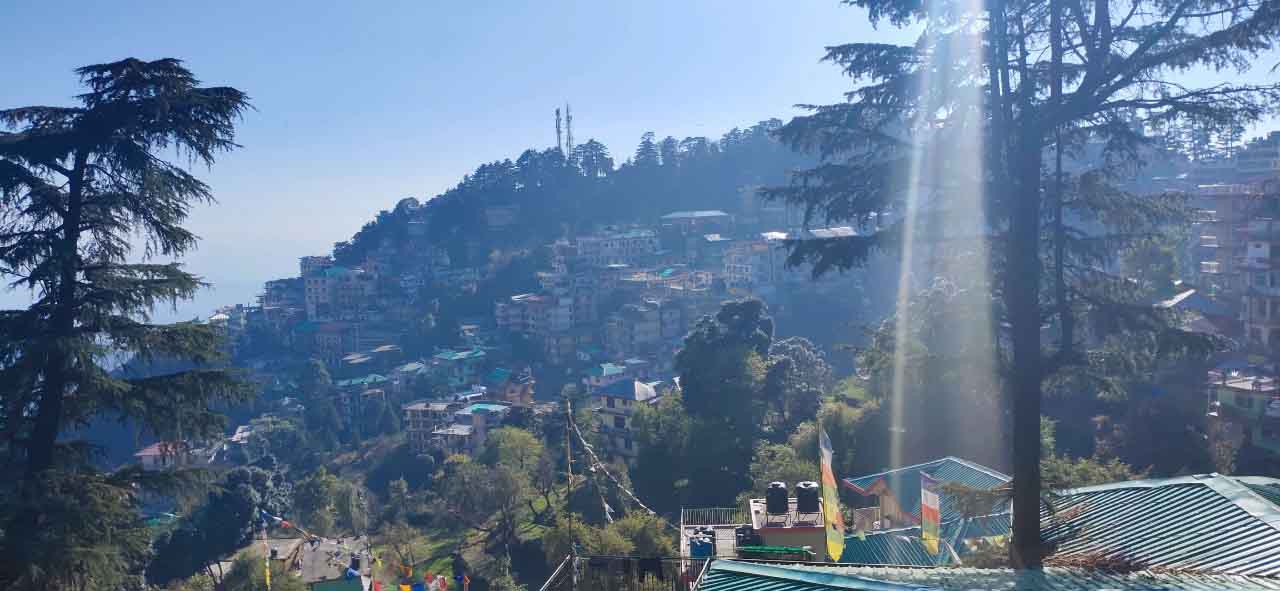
360,103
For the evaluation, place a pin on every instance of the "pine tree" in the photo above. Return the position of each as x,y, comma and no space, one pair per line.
1045,71
80,189
647,152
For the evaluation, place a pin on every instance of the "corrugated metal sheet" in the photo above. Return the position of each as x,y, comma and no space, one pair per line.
905,482
902,547
726,575
1206,523
732,575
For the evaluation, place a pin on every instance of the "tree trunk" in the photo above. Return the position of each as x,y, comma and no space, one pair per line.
58,361
1022,299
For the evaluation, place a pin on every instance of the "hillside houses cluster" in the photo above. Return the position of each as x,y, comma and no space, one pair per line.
609,314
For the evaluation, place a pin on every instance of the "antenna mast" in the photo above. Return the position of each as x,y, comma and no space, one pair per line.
568,126
559,146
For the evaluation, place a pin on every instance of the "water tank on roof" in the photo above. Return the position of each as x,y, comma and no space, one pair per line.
775,498
807,497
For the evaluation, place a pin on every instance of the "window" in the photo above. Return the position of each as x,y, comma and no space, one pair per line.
1244,401
620,422
626,443
608,401
1259,279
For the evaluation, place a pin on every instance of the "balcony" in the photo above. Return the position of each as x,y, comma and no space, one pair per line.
1209,242
1211,267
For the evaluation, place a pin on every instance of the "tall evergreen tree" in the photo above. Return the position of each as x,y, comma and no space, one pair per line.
80,189
1043,69
647,155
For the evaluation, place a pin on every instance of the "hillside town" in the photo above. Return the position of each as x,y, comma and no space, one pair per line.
1003,313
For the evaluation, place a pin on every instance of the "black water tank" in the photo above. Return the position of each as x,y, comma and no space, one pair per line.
355,562
807,497
775,498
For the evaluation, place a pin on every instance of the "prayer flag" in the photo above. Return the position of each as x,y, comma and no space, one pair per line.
377,586
404,587
930,513
830,501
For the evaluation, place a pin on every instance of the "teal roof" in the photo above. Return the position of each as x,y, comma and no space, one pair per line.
902,547
459,355
498,375
905,483
730,575
1204,523
483,407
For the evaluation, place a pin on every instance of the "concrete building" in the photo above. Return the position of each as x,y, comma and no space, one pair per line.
469,430
613,406
612,247
422,417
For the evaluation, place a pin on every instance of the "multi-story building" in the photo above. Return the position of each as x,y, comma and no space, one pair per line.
604,374
313,264
1260,270
756,266
1250,398
1221,220
614,405
459,367
422,417
625,247
469,429
632,330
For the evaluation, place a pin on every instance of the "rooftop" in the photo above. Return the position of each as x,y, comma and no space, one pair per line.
734,575
833,232
1204,523
630,390
605,370
422,405
904,483
459,355
484,407
701,213
454,429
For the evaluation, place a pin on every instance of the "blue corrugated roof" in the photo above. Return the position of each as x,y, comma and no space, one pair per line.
904,483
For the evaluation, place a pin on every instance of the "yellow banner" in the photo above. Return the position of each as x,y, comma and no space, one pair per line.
831,502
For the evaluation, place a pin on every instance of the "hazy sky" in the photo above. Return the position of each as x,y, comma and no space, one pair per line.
360,104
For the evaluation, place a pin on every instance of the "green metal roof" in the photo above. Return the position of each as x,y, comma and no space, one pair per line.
459,355
902,547
728,575
1206,523
905,483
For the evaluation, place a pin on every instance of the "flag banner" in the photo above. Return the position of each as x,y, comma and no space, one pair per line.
930,513
831,502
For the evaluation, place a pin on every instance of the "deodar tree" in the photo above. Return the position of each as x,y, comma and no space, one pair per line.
1044,70
91,215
